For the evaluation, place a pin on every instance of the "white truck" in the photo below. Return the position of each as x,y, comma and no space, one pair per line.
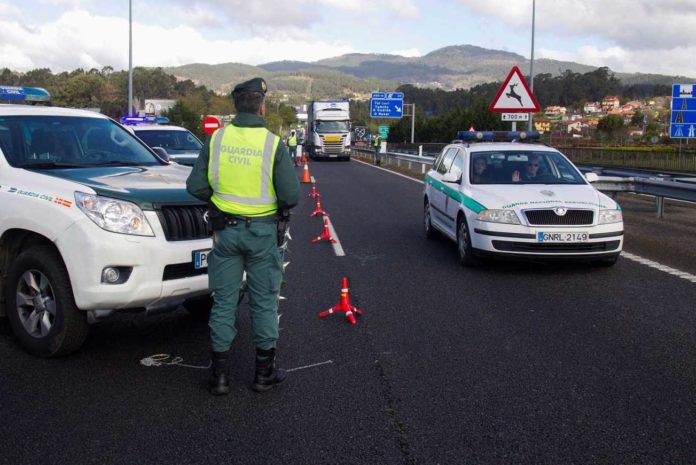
92,221
328,129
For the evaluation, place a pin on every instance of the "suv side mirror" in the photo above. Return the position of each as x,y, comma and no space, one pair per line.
591,177
161,153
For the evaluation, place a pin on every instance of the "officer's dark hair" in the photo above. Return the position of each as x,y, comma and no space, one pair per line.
247,102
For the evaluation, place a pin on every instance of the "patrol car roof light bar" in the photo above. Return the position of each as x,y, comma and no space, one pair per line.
135,120
497,136
24,94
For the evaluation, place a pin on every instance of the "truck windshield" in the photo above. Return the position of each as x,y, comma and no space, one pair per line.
332,126
69,141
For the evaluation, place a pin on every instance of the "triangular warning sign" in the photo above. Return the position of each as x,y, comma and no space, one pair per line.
514,96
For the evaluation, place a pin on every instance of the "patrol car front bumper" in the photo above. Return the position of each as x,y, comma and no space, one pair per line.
521,241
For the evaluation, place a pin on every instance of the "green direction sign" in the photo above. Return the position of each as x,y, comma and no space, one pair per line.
383,132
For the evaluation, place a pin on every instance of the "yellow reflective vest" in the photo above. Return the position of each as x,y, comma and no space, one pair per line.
292,141
240,170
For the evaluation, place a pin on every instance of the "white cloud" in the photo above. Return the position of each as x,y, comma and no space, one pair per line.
79,39
9,11
411,52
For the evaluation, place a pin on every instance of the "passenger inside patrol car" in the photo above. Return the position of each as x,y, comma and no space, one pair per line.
480,173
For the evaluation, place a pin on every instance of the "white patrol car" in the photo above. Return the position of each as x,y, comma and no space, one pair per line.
512,199
182,145
91,221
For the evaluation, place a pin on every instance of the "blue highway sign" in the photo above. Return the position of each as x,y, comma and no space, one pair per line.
387,105
683,115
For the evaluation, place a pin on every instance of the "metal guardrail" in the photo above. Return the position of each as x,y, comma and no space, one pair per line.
672,188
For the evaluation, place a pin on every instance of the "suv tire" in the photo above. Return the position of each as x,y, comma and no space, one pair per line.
40,304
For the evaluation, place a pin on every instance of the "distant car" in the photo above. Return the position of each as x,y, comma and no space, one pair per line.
181,145
512,208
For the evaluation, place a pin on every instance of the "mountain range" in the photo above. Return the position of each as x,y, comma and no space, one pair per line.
356,75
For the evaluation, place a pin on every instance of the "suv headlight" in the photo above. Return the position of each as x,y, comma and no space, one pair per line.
114,215
499,216
610,216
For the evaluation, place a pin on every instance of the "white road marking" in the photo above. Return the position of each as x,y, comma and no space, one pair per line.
660,267
338,250
310,366
388,171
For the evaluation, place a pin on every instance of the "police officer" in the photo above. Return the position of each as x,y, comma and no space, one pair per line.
292,147
244,171
378,145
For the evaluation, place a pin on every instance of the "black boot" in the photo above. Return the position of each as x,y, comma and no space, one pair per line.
219,372
267,375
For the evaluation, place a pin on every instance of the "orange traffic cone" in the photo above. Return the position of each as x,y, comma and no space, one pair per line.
318,210
326,234
305,175
343,305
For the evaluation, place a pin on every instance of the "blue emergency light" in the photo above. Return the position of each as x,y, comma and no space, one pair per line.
24,94
135,120
499,136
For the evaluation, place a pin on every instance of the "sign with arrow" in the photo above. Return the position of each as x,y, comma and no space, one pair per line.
387,105
514,96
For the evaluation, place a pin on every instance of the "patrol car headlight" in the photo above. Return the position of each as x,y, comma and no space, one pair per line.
610,216
114,215
499,216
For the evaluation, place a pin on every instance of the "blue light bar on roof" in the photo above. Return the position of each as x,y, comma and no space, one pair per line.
24,94
135,120
500,136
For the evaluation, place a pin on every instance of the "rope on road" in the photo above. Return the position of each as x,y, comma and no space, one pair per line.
157,360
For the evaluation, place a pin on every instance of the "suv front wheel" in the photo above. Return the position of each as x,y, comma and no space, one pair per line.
464,248
40,304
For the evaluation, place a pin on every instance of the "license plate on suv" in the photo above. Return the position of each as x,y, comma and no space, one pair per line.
200,258
561,236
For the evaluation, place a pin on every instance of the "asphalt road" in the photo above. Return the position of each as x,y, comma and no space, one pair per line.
509,363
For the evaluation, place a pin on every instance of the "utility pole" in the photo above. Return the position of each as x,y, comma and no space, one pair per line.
412,107
531,65
130,57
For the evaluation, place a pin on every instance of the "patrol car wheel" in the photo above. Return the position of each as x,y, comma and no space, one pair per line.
464,249
430,233
40,304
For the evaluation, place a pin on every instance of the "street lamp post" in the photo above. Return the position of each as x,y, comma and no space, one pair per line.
531,65
130,57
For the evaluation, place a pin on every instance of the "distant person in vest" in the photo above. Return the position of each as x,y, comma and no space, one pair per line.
292,147
246,175
378,144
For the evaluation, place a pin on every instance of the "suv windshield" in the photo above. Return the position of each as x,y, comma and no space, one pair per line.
522,167
172,140
332,126
69,141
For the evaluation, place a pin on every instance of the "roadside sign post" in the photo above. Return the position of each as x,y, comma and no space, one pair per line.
683,114
514,97
387,105
210,124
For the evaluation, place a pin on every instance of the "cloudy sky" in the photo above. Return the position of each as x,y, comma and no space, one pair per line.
650,36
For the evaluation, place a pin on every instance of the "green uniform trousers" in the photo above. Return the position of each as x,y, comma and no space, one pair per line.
378,154
254,248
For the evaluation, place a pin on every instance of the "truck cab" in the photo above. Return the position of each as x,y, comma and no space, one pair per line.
328,129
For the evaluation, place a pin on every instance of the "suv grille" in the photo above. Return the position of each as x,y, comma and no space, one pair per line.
184,223
549,217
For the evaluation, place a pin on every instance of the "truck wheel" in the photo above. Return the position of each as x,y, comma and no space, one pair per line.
40,304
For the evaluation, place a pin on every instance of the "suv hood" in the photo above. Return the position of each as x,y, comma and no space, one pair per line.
145,186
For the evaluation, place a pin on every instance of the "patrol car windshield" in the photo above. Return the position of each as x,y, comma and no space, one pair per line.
69,142
332,126
522,167
173,141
